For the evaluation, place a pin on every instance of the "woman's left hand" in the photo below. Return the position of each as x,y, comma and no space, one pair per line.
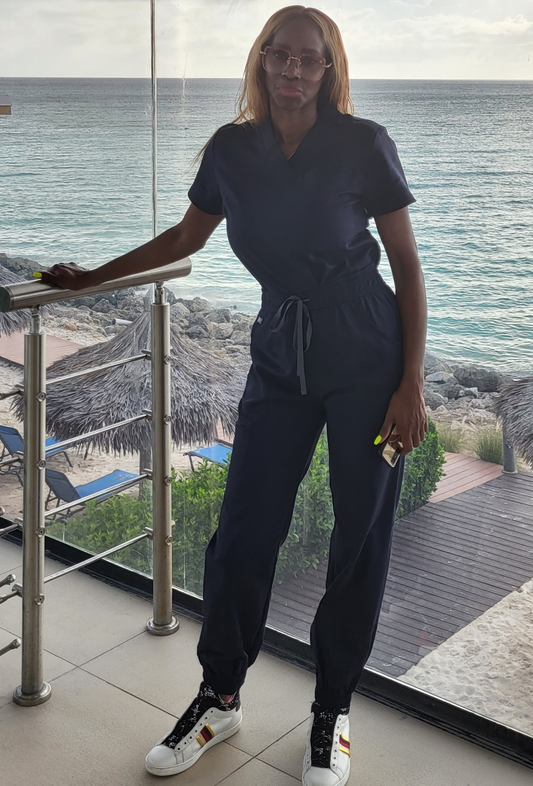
406,414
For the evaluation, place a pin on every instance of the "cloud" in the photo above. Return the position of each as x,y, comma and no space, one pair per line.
205,38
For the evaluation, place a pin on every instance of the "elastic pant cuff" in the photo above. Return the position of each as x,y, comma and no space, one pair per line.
220,684
332,699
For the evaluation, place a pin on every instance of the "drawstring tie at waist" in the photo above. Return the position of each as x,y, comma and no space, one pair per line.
298,342
332,294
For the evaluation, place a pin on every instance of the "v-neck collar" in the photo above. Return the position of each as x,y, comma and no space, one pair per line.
273,147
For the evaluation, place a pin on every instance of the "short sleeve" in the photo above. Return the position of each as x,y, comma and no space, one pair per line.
204,192
385,187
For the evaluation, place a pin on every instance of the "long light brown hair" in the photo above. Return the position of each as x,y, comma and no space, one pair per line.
253,103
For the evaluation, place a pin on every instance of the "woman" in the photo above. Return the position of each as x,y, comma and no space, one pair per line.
297,177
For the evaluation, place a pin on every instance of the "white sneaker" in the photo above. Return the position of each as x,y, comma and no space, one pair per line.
207,721
327,755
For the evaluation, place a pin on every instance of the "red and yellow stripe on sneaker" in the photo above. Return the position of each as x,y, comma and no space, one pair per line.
344,745
206,735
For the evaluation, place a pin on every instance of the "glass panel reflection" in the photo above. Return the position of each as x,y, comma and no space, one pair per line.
456,618
75,162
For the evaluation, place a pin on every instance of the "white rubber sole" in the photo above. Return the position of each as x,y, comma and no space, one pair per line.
342,782
164,771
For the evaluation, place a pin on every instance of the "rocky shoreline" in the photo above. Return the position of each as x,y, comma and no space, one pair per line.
459,395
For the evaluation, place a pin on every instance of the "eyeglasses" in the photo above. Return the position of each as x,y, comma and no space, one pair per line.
276,61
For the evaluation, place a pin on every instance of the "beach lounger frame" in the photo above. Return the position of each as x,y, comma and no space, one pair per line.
219,453
12,443
61,489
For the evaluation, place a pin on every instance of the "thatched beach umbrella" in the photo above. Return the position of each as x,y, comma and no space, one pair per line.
514,407
12,321
205,391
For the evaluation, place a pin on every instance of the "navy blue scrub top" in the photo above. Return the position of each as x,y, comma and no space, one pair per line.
299,223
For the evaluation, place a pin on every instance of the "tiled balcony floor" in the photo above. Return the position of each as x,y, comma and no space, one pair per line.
116,690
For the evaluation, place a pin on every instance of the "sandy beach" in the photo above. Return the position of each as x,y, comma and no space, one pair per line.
487,666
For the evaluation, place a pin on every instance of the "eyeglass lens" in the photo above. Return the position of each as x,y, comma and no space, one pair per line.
277,60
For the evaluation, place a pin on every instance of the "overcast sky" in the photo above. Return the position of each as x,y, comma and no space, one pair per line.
427,39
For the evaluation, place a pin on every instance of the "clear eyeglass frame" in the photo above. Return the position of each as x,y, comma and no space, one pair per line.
303,67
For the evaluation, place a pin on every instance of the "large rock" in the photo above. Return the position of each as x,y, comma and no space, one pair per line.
439,376
432,399
200,305
432,364
241,337
103,306
179,311
485,380
451,389
196,331
244,321
458,405
19,265
222,330
201,321
219,315
87,301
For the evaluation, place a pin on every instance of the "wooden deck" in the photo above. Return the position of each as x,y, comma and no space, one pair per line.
451,561
463,473
12,348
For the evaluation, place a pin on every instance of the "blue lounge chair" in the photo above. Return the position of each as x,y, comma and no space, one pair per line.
12,443
62,490
218,454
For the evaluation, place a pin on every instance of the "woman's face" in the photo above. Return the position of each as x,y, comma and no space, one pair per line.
288,90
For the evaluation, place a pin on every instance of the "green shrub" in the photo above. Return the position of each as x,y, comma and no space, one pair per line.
451,439
106,524
423,470
489,445
308,539
196,503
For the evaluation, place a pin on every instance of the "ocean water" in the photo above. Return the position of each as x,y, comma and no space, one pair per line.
75,185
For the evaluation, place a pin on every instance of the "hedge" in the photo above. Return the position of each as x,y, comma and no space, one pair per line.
196,502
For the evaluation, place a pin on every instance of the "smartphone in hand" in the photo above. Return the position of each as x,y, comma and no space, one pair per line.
390,451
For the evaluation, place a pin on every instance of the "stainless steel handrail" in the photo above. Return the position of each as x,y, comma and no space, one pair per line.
13,646
86,371
67,443
126,484
9,528
30,294
96,557
33,689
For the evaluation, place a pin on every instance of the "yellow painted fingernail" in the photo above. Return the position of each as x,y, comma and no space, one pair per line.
377,440
37,274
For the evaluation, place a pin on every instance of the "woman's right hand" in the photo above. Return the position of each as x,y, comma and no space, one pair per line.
67,276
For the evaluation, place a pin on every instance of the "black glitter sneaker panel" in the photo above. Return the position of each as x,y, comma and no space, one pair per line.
322,734
206,699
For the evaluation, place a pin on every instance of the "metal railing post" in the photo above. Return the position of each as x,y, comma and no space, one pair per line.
33,690
509,463
163,622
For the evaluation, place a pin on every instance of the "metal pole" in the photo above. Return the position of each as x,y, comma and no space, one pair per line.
509,464
33,690
153,72
163,622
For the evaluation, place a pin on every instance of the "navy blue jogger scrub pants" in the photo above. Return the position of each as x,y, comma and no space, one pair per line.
352,366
